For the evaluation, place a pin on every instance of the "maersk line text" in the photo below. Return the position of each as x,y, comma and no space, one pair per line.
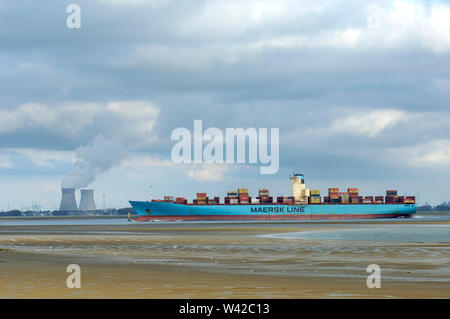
289,209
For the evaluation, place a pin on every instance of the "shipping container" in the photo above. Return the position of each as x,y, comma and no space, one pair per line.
169,199
391,192
180,200
389,199
379,199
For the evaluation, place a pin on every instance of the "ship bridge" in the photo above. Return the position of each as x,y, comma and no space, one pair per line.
299,190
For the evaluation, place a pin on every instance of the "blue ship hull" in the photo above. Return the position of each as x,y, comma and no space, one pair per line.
172,211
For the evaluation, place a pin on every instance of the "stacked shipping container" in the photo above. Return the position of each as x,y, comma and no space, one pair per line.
333,194
232,198
180,200
168,199
353,195
202,199
288,200
344,197
334,197
244,198
391,197
315,196
410,200
264,196
379,199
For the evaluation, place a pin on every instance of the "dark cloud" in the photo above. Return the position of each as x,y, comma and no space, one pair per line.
303,67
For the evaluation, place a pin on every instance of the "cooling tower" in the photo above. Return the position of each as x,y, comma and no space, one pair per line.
87,202
68,202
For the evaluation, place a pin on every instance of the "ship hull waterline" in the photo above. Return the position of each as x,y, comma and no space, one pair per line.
163,211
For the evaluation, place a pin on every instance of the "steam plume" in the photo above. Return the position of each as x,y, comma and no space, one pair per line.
93,159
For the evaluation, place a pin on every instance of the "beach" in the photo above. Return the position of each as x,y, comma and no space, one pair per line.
321,259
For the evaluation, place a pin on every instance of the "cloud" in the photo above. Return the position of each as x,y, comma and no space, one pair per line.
349,122
235,17
252,33
358,89
393,25
432,154
5,161
141,161
368,124
151,3
131,121
26,162
68,120
209,172
44,158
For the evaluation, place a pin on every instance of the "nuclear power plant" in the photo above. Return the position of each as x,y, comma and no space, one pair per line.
87,202
68,201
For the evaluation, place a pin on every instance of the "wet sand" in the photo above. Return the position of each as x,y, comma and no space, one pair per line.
217,260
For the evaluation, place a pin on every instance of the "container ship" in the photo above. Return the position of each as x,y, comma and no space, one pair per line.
304,204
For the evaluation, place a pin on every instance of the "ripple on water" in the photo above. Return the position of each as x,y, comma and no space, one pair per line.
390,233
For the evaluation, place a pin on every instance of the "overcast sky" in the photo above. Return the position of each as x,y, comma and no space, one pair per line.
359,90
